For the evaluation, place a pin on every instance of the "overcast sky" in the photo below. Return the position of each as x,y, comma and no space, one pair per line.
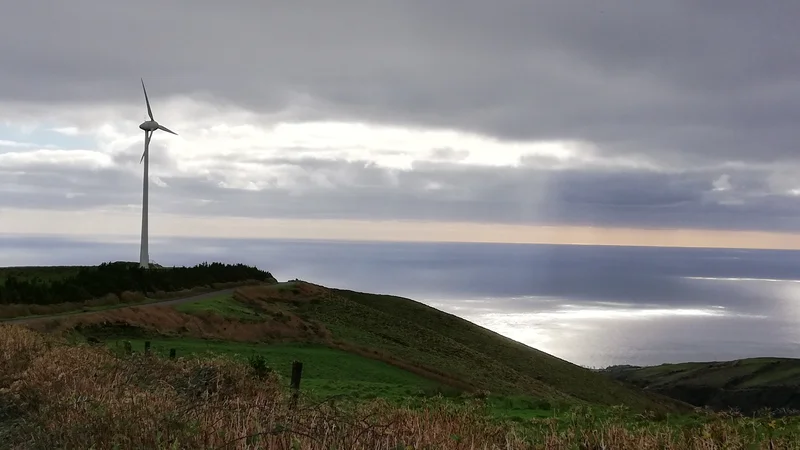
621,113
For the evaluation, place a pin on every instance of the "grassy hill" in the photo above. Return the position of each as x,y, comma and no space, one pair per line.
426,336
746,384
373,366
401,332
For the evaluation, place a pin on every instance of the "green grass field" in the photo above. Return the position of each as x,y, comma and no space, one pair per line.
329,373
326,372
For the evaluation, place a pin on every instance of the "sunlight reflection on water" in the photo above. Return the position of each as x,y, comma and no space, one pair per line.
598,334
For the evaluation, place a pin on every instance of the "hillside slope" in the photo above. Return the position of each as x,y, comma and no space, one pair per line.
399,331
746,384
427,337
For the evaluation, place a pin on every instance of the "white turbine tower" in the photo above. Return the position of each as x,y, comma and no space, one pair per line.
149,127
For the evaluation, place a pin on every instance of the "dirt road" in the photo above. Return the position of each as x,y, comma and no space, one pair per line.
170,301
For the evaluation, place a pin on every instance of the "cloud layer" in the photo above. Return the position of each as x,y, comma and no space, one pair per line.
671,114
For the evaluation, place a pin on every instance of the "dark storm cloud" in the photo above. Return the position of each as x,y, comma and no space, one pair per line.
696,79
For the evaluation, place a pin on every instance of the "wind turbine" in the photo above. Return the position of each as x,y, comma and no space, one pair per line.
149,127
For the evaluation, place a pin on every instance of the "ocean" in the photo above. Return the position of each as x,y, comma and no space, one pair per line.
591,305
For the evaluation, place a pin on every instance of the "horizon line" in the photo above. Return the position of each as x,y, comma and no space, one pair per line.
124,225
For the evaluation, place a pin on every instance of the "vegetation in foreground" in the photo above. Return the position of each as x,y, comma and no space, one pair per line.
747,384
59,395
50,290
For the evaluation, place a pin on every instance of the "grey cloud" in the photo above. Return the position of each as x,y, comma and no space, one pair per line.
691,84
685,80
432,191
162,159
54,187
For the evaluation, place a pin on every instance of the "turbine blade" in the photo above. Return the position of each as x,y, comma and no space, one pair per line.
146,145
163,128
149,111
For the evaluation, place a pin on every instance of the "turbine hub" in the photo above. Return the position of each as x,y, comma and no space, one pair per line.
149,125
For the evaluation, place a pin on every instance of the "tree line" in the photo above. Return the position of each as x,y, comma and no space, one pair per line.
115,278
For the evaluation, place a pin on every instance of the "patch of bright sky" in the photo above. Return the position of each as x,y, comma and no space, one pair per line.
27,137
390,147
86,159
399,147
211,135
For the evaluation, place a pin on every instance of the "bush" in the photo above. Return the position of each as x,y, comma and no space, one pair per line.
259,365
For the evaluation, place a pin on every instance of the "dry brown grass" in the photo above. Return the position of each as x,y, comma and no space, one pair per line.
54,395
23,310
300,291
165,320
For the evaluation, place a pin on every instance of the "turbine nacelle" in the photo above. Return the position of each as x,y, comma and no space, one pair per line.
149,125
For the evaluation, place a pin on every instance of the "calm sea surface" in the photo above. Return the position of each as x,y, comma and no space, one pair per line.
593,306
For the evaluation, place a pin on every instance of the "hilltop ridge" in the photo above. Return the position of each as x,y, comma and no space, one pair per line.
748,385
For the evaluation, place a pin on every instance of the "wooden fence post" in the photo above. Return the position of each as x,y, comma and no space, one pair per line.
297,374
172,353
147,347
